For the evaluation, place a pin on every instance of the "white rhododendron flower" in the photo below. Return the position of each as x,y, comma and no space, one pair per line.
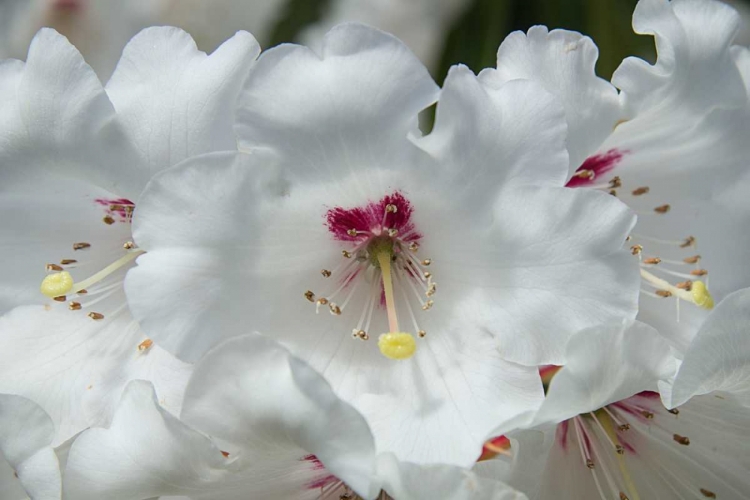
425,278
613,437
99,29
256,423
719,356
75,158
669,145
28,464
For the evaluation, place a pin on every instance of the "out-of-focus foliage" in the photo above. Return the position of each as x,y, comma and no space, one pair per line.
476,36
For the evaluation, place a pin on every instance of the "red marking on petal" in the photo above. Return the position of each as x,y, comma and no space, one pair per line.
120,207
322,481
67,5
561,434
546,372
370,217
494,447
648,395
598,164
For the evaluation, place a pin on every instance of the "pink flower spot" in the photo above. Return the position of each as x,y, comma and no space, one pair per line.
117,209
322,481
373,219
561,434
594,167
67,5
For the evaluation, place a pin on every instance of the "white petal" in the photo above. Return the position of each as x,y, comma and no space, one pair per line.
487,138
719,357
441,405
145,453
606,364
407,481
688,110
742,59
205,246
269,410
343,111
59,117
26,433
75,368
175,101
563,62
693,40
249,391
547,263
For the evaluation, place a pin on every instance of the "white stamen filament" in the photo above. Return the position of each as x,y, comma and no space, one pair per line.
665,285
384,259
125,259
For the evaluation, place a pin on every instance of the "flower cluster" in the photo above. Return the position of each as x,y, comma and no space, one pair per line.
246,275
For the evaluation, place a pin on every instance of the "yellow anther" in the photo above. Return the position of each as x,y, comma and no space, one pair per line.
57,284
397,345
701,296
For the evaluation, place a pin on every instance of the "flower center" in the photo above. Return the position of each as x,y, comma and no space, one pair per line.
671,263
104,283
379,248
607,438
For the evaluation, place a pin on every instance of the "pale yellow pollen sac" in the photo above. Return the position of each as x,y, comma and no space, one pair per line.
636,249
74,306
414,246
128,245
56,285
397,345
352,232
692,260
53,267
585,174
326,273
346,254
708,493
422,334
701,295
427,262
96,316
393,233
688,242
685,285
361,334
428,305
145,345
652,261
335,309
390,208
683,440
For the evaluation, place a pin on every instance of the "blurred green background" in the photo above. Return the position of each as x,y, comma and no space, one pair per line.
475,36
440,32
